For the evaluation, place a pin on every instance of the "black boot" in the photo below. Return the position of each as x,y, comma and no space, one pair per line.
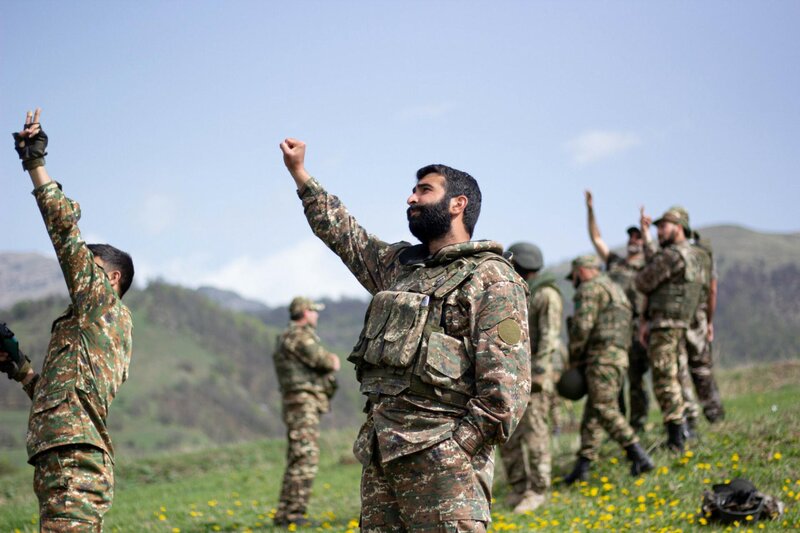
580,472
676,436
690,429
640,461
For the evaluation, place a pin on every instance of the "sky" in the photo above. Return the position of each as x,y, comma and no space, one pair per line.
165,117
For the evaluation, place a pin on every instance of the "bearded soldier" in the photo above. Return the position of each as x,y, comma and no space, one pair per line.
672,280
305,373
599,338
85,365
444,356
623,270
526,456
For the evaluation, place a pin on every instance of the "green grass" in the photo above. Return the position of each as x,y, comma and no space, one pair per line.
235,488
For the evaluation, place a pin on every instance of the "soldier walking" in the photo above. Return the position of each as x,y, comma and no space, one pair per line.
444,356
85,365
623,271
305,373
599,338
526,455
672,280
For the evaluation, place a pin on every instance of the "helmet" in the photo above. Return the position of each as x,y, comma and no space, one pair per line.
526,255
572,384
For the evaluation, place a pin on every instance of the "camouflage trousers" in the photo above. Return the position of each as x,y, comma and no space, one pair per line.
301,415
701,365
526,454
691,409
638,365
664,349
436,490
75,487
601,411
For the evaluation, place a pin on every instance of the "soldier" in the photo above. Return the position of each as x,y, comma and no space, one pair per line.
672,282
526,455
444,356
699,337
86,362
599,338
623,270
305,373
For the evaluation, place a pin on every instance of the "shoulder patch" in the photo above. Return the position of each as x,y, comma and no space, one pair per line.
509,331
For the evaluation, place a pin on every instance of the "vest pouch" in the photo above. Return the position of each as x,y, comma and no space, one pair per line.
446,361
394,328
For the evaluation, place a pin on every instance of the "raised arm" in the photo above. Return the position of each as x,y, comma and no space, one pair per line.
88,285
594,231
370,259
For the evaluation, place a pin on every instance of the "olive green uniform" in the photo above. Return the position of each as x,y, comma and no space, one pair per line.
599,338
305,374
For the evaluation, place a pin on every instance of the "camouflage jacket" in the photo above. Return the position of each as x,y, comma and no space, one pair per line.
672,280
544,324
600,329
623,271
482,336
302,364
90,346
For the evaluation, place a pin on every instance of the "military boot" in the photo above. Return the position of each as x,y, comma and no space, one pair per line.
640,461
530,502
676,436
580,472
690,429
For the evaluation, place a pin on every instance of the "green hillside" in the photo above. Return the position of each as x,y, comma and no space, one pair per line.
200,375
235,487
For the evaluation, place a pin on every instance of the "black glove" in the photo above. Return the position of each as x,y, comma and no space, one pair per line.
31,149
18,364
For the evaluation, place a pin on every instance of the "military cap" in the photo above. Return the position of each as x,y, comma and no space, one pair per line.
633,229
586,261
526,255
300,304
677,215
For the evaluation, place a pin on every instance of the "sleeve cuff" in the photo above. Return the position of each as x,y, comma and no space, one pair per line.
310,188
41,189
468,437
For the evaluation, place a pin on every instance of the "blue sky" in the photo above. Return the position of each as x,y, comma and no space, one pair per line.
165,118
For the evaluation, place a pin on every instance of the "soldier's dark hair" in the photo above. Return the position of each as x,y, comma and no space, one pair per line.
115,259
457,183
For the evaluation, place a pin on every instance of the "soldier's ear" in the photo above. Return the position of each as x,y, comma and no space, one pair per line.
458,204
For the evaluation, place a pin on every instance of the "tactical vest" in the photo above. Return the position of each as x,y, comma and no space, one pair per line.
677,298
293,374
624,274
404,346
613,326
546,279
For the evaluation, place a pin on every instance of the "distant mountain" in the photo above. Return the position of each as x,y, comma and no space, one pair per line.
28,276
232,300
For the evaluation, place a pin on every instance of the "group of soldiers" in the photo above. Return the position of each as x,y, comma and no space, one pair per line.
455,356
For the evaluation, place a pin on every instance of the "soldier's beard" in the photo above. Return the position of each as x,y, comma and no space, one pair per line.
634,249
668,239
431,221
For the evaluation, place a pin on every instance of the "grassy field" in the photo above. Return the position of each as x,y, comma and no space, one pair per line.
235,488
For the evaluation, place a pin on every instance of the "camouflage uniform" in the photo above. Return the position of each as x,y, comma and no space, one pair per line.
671,280
599,338
444,362
699,353
86,362
623,271
305,370
526,455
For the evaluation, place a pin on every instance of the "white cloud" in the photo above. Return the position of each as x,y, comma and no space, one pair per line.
425,112
307,268
594,145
